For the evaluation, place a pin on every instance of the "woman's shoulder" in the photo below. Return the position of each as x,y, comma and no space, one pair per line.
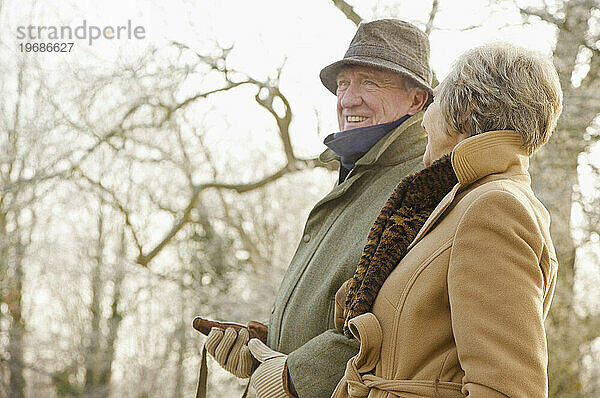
508,200
505,201
505,191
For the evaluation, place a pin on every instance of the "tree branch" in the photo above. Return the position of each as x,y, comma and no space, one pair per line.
144,259
348,11
300,164
432,14
283,122
115,202
543,14
256,259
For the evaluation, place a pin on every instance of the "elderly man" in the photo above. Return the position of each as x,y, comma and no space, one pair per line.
382,84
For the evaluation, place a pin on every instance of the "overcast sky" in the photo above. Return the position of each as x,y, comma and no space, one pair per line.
307,35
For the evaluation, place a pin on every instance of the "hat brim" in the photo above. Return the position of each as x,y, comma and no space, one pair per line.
329,73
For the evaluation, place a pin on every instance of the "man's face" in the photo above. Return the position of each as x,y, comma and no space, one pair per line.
368,96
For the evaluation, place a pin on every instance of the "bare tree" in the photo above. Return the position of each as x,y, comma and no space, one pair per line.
56,138
20,145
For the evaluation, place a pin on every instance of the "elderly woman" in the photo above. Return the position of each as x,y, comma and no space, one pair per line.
455,281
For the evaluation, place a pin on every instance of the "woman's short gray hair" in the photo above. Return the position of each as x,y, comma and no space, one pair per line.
501,86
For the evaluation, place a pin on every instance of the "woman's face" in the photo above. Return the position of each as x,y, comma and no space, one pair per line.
439,142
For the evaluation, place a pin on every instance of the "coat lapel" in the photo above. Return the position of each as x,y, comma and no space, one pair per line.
342,188
435,215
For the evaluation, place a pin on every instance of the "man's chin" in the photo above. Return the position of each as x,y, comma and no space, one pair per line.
352,126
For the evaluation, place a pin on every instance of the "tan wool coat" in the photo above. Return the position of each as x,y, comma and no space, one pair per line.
463,312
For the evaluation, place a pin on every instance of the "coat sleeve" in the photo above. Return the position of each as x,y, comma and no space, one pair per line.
496,288
317,366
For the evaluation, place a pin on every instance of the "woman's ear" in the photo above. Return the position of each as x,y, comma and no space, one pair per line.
462,125
419,98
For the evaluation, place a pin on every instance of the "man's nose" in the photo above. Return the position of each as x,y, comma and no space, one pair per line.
352,96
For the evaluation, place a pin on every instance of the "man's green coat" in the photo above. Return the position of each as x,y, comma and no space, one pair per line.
302,318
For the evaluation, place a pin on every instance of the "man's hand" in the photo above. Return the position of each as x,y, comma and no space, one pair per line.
268,378
230,350
227,343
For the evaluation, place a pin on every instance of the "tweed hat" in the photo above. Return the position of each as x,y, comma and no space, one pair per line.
388,44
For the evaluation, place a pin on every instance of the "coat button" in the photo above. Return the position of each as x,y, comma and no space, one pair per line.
306,238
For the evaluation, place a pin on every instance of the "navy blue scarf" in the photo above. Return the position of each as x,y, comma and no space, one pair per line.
351,145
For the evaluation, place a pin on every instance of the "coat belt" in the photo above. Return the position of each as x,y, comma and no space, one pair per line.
359,381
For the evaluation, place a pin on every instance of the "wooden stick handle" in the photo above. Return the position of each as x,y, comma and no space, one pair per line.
255,329
204,325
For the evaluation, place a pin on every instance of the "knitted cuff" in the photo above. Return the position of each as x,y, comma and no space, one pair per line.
267,379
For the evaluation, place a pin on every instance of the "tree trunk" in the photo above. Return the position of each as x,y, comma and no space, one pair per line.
93,361
15,351
17,328
181,349
115,317
554,174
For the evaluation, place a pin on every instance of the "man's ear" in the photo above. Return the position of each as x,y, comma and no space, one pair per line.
419,98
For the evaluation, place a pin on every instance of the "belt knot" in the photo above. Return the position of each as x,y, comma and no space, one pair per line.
367,331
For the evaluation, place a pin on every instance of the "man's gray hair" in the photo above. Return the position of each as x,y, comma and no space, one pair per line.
501,86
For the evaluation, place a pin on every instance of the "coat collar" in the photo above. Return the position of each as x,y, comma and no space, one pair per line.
489,153
477,157
390,150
